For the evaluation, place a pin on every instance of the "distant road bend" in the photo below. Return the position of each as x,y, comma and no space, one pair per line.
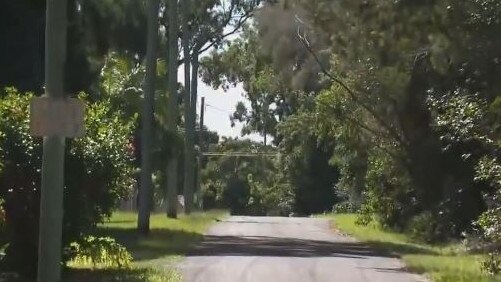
275,249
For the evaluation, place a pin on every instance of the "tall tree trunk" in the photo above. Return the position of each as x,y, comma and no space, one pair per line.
51,202
146,189
173,111
188,144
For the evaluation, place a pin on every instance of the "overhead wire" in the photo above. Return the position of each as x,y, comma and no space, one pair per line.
218,109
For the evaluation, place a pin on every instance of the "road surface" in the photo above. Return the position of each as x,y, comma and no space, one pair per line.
274,249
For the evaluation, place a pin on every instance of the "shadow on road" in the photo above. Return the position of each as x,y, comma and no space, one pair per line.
290,247
157,244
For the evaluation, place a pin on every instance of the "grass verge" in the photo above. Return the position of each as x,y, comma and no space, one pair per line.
440,263
154,255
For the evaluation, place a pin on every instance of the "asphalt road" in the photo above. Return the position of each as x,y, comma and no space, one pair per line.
275,249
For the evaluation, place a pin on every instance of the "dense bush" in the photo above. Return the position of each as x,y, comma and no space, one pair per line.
98,173
466,123
489,223
236,196
249,185
305,164
345,207
388,195
99,252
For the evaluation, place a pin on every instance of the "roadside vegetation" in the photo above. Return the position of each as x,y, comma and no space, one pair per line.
441,263
153,258
392,105
387,108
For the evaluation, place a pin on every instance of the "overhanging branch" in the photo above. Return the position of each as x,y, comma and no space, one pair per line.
343,85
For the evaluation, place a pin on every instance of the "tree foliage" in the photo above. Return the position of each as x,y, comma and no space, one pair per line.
246,184
99,173
95,27
360,75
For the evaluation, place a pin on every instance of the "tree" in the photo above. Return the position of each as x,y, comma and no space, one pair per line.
95,28
278,88
387,94
367,70
145,191
206,29
172,168
99,174
306,165
244,177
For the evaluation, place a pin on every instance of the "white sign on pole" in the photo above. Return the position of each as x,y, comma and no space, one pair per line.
61,117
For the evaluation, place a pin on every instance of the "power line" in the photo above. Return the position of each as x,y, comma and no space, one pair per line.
218,109
220,113
240,154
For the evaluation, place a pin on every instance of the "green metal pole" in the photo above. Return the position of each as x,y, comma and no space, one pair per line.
51,202
173,111
146,189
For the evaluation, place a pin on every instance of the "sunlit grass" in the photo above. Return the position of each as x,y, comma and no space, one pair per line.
135,274
154,255
446,263
168,239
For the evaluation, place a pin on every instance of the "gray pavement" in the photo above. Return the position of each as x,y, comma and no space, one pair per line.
274,249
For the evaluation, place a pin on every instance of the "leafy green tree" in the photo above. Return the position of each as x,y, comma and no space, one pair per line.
390,90
203,28
145,193
469,124
95,28
306,164
99,174
373,67
279,80
173,51
246,183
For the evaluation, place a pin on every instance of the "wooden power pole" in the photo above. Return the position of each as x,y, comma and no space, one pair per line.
201,145
173,111
189,180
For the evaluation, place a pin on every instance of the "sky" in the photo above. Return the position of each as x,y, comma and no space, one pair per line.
219,105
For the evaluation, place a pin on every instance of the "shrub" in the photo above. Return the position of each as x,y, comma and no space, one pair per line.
98,173
388,197
466,121
236,196
99,252
423,227
492,265
345,207
488,225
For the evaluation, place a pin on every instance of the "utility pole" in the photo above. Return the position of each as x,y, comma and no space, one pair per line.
265,119
202,117
146,189
193,121
201,145
189,144
51,201
173,111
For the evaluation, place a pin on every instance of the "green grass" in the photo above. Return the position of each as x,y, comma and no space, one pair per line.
446,263
135,274
155,254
